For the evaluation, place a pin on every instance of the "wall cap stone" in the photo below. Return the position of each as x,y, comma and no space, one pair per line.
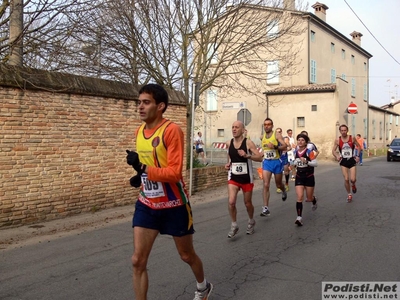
57,82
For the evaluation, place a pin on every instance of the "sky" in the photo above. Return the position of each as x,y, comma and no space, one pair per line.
378,21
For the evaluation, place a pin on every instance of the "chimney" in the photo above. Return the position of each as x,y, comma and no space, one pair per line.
356,37
320,10
289,4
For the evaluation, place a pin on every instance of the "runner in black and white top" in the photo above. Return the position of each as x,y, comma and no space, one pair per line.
305,181
314,154
241,152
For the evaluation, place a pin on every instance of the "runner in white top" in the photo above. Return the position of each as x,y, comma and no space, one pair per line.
199,147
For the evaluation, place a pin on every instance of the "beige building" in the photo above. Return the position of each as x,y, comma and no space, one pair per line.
383,124
332,73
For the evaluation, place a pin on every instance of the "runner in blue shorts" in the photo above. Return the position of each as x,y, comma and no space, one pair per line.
175,221
285,162
163,204
272,143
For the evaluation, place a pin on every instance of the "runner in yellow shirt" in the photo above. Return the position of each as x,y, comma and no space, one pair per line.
272,143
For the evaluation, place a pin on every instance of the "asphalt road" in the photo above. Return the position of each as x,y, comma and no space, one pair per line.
338,242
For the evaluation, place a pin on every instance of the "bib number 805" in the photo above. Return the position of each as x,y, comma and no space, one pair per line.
150,185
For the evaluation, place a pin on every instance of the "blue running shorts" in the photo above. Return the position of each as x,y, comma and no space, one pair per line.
175,221
274,166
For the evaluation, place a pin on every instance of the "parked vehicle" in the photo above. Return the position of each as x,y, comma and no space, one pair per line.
393,151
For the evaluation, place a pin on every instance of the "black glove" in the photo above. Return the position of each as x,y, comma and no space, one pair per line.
133,159
136,181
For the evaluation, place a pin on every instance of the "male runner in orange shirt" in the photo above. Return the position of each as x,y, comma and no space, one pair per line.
163,204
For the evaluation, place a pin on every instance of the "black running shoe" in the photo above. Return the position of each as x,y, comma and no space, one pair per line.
284,195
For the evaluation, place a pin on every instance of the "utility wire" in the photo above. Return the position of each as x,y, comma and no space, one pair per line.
371,33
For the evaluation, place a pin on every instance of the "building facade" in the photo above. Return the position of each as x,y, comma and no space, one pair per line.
331,74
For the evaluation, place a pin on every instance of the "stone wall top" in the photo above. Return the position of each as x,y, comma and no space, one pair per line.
57,82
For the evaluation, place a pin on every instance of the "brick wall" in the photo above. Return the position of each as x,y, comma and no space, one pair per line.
62,144
208,177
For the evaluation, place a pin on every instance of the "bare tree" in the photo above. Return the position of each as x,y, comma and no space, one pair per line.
216,43
172,42
36,31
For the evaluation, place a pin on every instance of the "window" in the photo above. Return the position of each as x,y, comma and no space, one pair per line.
273,72
333,76
301,122
365,92
380,130
365,66
391,119
212,53
373,129
353,60
313,73
397,120
387,131
211,100
344,76
332,47
313,108
273,29
312,36
221,132
343,53
365,120
353,87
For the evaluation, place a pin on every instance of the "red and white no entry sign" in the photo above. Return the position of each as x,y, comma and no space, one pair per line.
352,108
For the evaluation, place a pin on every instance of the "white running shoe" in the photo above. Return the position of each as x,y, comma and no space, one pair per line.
233,231
265,212
250,227
203,295
299,221
314,206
